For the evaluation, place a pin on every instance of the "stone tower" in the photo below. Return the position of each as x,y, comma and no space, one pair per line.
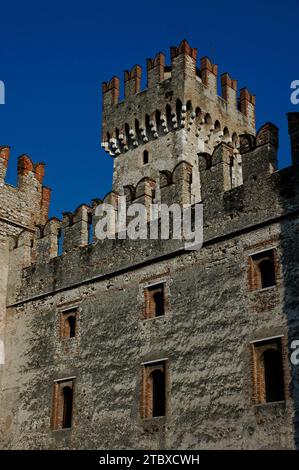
22,208
177,116
99,333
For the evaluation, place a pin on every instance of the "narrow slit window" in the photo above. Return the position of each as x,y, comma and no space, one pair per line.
145,157
63,404
154,301
268,371
158,385
154,390
266,268
67,407
262,270
158,299
71,326
68,324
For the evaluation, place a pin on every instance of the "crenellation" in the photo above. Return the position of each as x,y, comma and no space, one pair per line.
218,175
209,72
155,70
110,91
229,91
46,243
247,105
74,307
183,63
150,114
28,202
132,79
4,159
45,204
75,227
267,134
30,175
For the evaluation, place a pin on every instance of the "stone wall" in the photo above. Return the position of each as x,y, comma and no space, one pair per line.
214,312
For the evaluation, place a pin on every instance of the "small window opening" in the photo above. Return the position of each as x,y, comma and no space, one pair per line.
153,403
154,301
67,407
262,270
145,157
69,324
268,371
158,384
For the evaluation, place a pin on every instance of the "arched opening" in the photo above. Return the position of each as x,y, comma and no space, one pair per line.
267,273
159,304
274,384
208,119
154,300
168,117
147,126
217,126
69,323
178,111
198,112
127,134
138,132
71,326
226,133
158,122
159,399
189,107
145,157
67,407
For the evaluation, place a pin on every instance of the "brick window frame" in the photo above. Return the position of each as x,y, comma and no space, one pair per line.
150,304
147,289
146,396
58,403
258,348
254,273
67,331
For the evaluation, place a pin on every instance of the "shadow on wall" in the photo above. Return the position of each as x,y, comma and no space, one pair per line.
288,193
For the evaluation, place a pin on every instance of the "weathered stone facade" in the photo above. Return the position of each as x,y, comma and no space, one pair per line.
201,147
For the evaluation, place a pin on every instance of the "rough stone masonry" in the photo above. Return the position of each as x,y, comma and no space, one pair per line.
141,344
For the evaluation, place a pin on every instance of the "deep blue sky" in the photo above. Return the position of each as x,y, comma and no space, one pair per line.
54,56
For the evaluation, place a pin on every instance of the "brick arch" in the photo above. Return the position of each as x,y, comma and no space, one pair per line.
129,192
142,186
165,178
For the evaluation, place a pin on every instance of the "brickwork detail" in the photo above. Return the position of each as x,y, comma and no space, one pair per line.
215,315
258,350
62,405
146,400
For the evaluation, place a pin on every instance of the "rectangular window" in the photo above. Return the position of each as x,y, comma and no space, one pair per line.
153,390
262,270
268,371
68,323
62,412
154,297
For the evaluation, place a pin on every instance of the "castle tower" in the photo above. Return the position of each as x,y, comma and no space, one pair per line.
177,116
22,208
